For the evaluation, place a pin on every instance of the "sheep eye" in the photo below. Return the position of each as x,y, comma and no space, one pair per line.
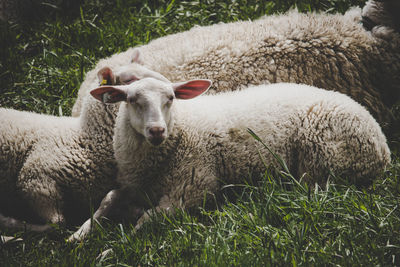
169,102
129,81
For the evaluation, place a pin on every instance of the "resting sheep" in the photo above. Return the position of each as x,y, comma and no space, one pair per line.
52,169
170,153
333,52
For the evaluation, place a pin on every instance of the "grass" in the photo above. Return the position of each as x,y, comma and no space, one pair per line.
275,222
44,56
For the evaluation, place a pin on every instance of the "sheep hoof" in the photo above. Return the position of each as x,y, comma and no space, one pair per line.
82,232
9,239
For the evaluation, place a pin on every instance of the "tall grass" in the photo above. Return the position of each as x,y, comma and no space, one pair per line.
278,221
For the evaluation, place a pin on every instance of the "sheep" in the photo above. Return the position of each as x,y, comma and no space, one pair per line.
52,169
172,153
328,51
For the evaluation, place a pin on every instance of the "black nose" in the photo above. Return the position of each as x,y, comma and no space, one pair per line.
156,132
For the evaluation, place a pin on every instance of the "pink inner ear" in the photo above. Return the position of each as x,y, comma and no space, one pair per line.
107,94
191,89
107,74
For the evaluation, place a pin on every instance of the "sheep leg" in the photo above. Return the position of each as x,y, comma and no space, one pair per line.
165,205
15,224
188,195
109,202
43,197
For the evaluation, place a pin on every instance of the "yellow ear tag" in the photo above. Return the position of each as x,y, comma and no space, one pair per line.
103,82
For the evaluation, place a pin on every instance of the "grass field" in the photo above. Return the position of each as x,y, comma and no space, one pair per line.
44,56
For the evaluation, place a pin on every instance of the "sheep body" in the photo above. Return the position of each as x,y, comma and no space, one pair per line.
207,144
53,169
54,165
333,52
313,130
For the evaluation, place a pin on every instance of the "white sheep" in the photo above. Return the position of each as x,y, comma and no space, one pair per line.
330,51
171,153
52,169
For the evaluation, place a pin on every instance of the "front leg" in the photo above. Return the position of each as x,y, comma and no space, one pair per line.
189,195
165,205
109,202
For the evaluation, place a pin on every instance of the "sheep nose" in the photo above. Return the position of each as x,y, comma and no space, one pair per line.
156,135
156,132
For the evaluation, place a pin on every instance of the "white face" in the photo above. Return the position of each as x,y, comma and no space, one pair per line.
149,104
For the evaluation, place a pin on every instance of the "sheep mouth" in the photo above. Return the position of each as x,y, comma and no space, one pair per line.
156,141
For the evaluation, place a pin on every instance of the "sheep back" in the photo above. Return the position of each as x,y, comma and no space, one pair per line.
333,52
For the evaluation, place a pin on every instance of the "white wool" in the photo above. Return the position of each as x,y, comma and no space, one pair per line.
314,131
54,166
328,51
53,169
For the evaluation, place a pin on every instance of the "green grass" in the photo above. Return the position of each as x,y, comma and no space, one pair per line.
43,60
275,222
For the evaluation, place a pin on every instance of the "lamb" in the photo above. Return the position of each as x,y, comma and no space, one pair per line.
171,153
333,52
52,169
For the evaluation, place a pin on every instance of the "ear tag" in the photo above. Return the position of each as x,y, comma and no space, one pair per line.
106,97
103,82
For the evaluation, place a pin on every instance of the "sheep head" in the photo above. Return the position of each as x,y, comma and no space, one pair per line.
149,102
128,74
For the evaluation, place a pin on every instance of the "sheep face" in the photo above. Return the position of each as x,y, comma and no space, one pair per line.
149,102
149,105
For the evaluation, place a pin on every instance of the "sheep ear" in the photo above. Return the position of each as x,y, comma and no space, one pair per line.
190,89
109,94
137,56
106,76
